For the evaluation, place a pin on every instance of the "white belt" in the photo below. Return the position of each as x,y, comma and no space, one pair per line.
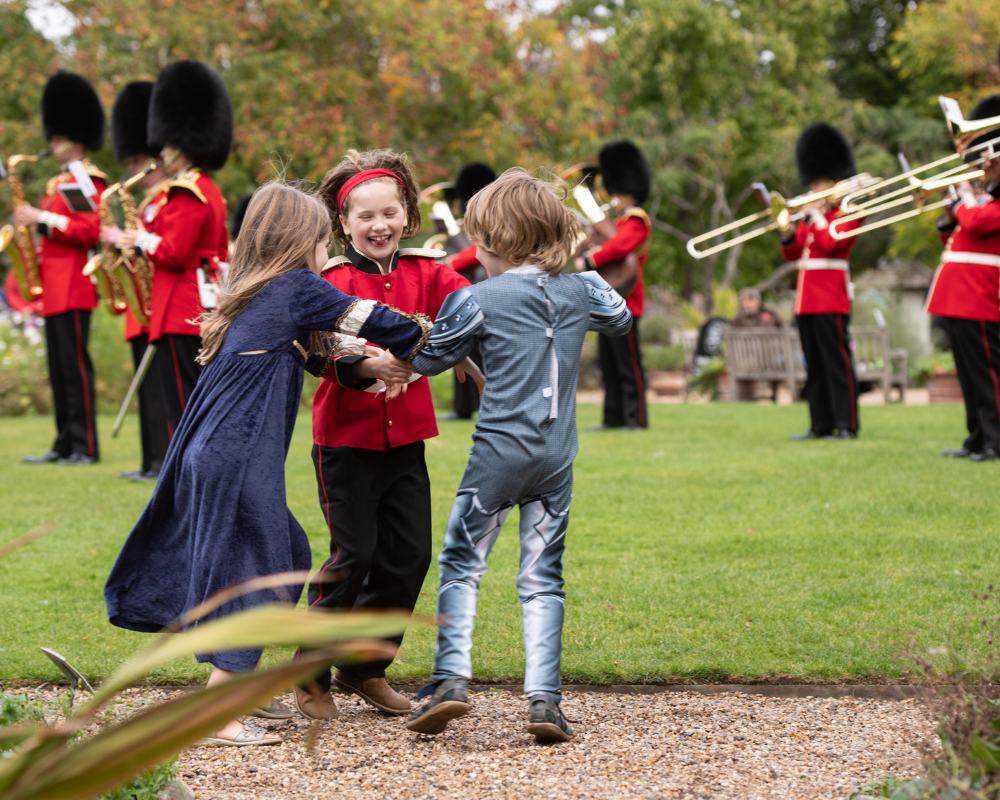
983,259
823,263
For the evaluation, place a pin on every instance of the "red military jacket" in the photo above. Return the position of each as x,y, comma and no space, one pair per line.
823,285
183,228
465,259
967,284
632,236
67,238
345,417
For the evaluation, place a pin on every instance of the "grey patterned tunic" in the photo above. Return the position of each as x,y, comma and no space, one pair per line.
530,328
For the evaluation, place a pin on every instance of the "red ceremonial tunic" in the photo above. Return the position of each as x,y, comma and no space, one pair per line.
967,284
465,259
133,328
823,285
346,417
68,238
184,228
632,236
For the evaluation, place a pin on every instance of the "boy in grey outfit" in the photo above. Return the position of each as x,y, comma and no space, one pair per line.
529,321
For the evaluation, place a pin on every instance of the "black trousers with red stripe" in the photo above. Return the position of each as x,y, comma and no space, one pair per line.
620,358
831,381
377,504
71,374
178,372
975,343
152,410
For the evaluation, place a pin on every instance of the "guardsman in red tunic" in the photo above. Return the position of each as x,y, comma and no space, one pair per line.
823,291
627,178
966,293
129,136
368,449
69,224
183,233
470,179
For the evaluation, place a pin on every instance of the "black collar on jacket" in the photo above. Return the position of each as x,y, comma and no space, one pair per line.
365,264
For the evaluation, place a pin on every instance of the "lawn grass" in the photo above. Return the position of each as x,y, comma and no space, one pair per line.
707,548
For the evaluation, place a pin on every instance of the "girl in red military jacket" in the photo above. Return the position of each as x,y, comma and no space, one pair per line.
368,450
73,121
183,235
966,293
823,295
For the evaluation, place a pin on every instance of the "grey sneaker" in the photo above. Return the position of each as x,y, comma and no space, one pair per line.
546,722
450,700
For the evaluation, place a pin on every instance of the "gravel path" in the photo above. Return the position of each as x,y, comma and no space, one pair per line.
671,745
654,746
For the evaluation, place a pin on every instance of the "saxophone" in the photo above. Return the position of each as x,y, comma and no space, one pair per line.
135,273
17,242
102,266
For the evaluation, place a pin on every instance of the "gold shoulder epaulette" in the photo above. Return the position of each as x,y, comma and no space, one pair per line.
336,261
187,180
422,252
635,211
50,187
93,171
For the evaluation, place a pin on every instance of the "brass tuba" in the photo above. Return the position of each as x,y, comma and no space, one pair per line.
135,273
17,241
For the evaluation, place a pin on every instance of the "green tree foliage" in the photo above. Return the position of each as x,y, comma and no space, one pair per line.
446,80
948,47
716,92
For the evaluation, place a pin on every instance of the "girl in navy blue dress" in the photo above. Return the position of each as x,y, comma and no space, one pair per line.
218,515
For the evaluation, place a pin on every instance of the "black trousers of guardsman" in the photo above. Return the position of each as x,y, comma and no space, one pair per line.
377,505
620,359
975,343
178,372
467,394
71,374
152,410
831,381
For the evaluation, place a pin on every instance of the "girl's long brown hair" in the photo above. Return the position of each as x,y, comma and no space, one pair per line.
279,234
354,162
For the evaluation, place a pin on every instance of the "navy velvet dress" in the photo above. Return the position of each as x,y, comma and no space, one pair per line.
218,514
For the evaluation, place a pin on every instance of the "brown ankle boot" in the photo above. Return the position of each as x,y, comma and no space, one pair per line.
374,691
322,708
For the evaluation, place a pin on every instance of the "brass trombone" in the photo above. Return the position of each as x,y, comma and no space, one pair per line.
779,213
918,191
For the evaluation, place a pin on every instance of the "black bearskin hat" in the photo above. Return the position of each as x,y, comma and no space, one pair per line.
238,214
71,108
470,179
985,108
191,110
625,170
129,122
821,152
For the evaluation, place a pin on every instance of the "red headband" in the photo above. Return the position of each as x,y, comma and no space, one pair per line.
361,177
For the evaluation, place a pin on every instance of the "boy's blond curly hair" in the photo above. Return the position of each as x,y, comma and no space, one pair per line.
522,219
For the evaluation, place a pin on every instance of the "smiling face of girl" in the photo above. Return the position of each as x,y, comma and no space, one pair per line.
375,219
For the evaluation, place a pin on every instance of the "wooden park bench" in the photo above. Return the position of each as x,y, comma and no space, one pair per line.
775,355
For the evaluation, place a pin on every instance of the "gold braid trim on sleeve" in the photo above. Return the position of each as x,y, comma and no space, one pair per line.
346,314
327,365
425,323
301,349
